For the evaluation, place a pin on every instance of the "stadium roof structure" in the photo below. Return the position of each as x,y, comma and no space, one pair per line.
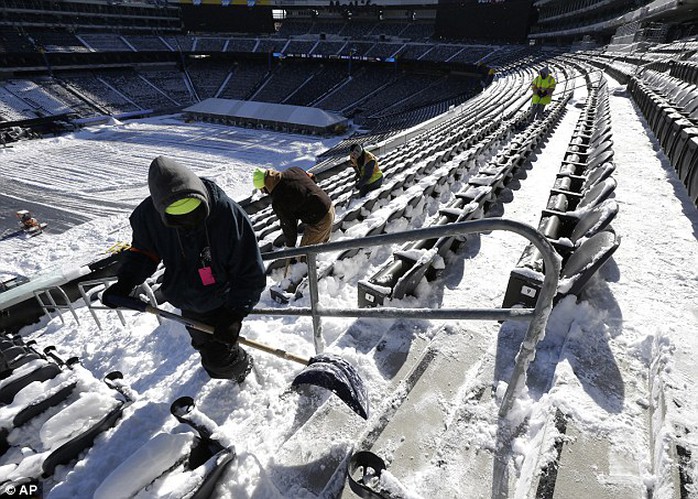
278,116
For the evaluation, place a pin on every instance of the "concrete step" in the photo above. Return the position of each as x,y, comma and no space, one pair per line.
426,423
590,467
300,469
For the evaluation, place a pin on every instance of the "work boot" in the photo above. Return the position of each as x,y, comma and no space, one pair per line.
233,364
242,367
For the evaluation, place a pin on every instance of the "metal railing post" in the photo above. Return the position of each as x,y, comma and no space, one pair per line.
312,284
538,316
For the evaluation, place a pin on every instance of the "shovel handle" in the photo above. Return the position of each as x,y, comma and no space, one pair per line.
141,306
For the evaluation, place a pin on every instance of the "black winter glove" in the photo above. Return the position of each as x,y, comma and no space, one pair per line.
120,288
227,328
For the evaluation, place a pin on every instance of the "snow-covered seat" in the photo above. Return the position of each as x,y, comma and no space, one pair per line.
570,183
60,434
183,464
567,233
586,260
687,159
600,144
692,180
32,400
596,158
663,124
578,268
475,194
678,133
575,206
16,355
269,228
588,128
36,369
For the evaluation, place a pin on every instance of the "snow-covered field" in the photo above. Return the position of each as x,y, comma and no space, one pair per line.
102,171
602,358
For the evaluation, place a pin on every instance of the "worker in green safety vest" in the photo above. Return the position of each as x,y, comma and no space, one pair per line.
543,87
368,175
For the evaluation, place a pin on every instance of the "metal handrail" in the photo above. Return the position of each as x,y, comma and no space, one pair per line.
38,293
538,315
85,288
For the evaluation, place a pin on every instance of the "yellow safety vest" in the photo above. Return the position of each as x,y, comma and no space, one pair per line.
540,83
368,157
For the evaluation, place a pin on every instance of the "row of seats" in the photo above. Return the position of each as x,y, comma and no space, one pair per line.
673,117
402,168
462,131
415,172
680,95
687,71
416,259
50,410
578,212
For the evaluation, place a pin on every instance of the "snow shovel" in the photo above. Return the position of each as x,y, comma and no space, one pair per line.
325,370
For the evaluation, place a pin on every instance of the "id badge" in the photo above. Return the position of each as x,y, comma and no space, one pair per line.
206,275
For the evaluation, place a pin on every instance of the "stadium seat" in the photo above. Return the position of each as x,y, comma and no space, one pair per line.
586,260
578,268
595,159
573,230
577,145
687,159
580,183
692,184
677,129
40,370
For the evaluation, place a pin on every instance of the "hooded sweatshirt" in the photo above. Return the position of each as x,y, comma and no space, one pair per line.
225,241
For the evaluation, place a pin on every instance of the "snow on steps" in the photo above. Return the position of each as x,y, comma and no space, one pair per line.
423,442
590,467
407,417
434,426
587,461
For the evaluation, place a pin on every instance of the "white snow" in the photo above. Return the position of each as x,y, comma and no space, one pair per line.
606,357
162,452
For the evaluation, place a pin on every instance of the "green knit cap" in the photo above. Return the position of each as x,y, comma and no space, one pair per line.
258,178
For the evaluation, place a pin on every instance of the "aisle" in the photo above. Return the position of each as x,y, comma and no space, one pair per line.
656,276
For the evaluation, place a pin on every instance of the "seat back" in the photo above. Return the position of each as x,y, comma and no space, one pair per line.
597,194
594,221
586,260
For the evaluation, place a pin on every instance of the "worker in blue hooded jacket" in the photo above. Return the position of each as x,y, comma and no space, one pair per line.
213,267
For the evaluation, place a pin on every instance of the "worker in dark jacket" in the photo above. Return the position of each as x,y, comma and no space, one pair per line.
368,176
213,267
297,198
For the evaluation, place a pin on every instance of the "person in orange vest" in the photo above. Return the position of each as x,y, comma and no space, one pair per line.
368,176
543,87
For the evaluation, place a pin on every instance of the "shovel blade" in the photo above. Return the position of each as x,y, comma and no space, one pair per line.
337,375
